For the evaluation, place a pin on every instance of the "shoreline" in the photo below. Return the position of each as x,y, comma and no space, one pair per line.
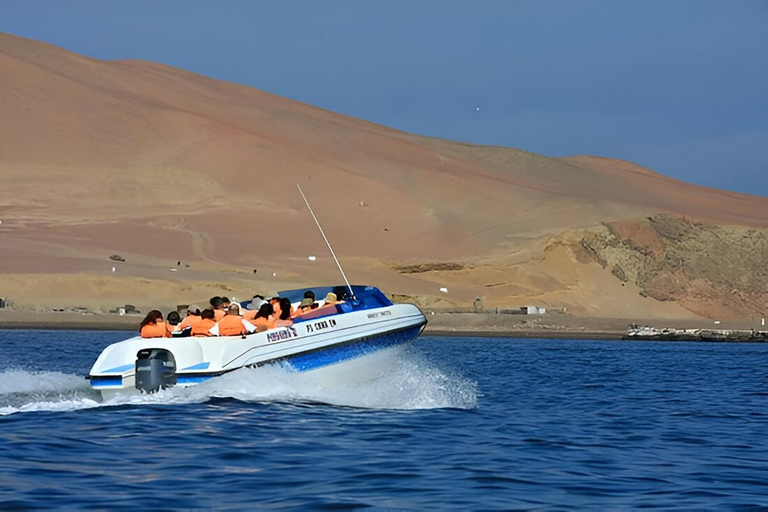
443,324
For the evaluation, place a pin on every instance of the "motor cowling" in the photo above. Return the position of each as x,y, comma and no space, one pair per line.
155,370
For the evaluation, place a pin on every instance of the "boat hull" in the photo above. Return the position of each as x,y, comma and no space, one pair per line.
307,346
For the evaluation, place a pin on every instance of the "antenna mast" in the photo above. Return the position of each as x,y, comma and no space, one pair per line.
351,293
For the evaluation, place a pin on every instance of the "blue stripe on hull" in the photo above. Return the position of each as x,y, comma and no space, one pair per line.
106,382
180,379
358,348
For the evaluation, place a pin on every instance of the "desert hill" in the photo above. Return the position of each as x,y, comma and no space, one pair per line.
164,166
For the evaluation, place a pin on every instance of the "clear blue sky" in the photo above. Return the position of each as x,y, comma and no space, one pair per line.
677,86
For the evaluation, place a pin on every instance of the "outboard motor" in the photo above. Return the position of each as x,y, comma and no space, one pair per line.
155,369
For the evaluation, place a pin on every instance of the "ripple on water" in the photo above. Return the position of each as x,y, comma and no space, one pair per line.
462,423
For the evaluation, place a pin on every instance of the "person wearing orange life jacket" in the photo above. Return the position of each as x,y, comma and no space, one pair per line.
285,319
331,300
153,326
304,307
275,303
172,321
205,324
233,324
193,316
249,313
263,320
217,304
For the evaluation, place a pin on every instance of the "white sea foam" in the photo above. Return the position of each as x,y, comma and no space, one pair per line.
399,382
22,390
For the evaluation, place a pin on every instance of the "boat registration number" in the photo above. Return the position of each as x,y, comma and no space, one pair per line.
324,324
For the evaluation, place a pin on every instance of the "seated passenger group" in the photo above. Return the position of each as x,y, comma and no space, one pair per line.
225,318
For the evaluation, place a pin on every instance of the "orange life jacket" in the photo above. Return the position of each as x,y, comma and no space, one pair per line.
249,314
263,324
231,325
157,330
171,328
189,321
218,314
202,327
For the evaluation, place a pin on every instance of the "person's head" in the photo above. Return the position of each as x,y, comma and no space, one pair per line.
331,298
340,292
285,308
207,314
309,294
256,302
275,301
306,305
265,311
216,302
173,318
225,302
152,318
234,309
193,310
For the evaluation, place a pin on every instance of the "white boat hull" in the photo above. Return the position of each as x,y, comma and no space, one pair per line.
317,346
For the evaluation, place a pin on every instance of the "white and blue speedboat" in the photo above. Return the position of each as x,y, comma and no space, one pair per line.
329,338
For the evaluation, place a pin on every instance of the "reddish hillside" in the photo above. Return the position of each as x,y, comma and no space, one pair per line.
161,164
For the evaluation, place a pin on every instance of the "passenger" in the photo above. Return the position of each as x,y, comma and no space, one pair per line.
153,326
193,316
256,302
226,303
309,298
249,314
233,324
285,319
263,320
172,322
203,326
275,302
331,300
217,304
305,306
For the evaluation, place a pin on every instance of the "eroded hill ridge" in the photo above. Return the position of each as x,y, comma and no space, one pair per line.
709,269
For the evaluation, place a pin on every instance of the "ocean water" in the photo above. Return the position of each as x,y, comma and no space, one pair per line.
463,423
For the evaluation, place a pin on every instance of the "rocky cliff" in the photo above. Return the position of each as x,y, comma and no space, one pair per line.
711,270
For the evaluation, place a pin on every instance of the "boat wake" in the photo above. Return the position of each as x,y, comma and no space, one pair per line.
409,383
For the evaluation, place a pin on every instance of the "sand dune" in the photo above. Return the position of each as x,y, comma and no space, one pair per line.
162,165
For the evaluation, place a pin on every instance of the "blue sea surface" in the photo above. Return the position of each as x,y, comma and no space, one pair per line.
464,423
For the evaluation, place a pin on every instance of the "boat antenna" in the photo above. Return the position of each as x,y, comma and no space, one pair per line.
351,293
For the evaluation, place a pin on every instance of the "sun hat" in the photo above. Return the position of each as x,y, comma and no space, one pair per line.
255,303
306,302
331,297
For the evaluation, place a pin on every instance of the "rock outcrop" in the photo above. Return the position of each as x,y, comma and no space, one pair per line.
711,270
